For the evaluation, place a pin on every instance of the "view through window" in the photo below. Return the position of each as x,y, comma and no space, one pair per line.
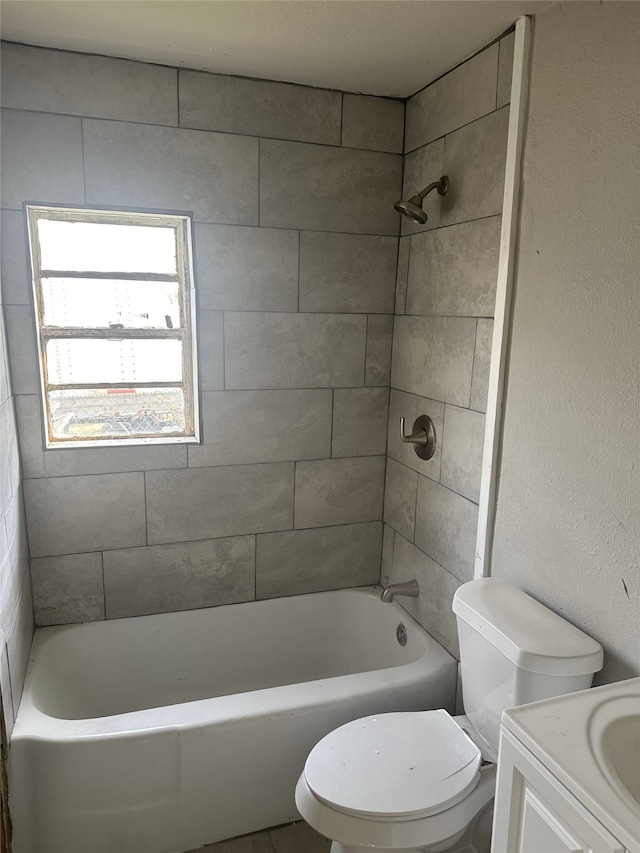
113,295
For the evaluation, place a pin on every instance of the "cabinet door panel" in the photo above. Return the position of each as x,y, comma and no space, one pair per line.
535,813
541,831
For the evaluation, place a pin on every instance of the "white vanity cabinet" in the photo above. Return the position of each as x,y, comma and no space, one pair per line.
569,774
535,813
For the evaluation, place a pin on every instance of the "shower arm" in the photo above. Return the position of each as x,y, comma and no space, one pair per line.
440,185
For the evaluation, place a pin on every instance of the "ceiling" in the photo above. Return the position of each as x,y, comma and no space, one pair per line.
380,47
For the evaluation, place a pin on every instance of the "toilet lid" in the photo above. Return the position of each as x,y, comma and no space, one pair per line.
394,766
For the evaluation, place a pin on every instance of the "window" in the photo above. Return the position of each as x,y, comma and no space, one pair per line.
114,303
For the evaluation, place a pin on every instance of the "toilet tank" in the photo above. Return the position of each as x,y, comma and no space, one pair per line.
514,650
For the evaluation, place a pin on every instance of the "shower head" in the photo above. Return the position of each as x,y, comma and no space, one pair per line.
412,208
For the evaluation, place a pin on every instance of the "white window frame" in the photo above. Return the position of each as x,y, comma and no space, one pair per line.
186,332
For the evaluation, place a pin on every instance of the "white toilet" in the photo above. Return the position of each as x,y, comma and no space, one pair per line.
417,781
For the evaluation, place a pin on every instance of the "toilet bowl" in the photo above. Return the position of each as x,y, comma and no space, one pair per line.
408,782
420,781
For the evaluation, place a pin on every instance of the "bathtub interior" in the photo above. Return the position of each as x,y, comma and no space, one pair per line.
119,666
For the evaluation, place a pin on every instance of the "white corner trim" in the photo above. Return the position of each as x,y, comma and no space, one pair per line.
501,326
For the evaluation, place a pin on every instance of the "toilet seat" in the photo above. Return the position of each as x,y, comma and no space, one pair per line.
394,767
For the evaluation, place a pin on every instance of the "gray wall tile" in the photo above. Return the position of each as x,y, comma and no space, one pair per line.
402,274
379,340
302,561
421,168
505,70
388,535
474,160
400,498
453,271
481,365
16,283
373,123
347,272
339,491
204,503
165,578
52,171
293,350
213,174
5,390
462,95
410,407
5,690
433,357
14,559
20,635
54,81
446,528
70,515
359,421
67,589
21,348
259,107
462,447
432,608
315,188
210,331
241,427
9,457
246,269
37,462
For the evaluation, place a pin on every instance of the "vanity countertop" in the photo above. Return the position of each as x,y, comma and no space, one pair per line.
590,741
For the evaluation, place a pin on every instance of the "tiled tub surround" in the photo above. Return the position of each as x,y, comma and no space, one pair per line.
295,315
121,753
16,609
445,297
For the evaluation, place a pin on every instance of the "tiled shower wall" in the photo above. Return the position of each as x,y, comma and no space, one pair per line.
445,299
16,610
296,240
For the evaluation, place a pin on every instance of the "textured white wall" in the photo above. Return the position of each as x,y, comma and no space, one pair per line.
568,515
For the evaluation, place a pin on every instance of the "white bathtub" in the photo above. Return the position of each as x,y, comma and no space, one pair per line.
159,734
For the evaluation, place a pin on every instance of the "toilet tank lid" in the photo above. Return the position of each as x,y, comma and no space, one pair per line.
530,635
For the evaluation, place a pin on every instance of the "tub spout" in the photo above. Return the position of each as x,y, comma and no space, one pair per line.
410,588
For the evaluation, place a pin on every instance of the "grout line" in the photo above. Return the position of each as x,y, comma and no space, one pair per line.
498,70
104,588
178,124
84,168
473,365
293,508
366,347
188,128
342,119
454,130
224,354
146,514
259,178
415,509
299,257
509,29
196,221
444,427
444,568
333,408
187,542
255,566
202,72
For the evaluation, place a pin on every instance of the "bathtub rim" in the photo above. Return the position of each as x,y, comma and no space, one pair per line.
33,724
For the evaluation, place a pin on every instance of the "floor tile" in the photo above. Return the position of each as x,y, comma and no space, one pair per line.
257,843
299,838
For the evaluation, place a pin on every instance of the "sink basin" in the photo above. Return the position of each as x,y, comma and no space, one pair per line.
614,735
